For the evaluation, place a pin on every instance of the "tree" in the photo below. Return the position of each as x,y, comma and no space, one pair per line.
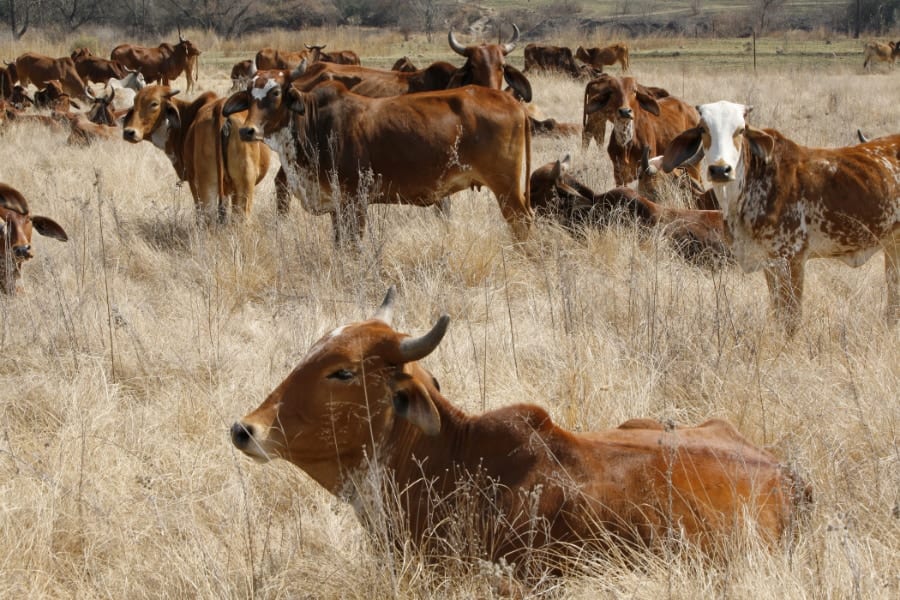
225,17
764,10
18,13
877,16
75,13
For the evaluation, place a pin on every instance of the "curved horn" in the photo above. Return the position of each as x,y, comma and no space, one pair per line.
180,39
385,312
418,348
645,159
88,93
511,44
112,92
862,138
454,45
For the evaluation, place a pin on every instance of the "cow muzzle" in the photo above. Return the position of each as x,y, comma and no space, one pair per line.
721,173
243,436
626,113
23,252
130,134
250,134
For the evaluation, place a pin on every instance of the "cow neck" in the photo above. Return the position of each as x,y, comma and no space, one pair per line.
175,138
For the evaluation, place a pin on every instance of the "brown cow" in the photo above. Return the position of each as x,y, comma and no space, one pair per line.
697,235
640,118
657,185
16,227
376,83
404,64
8,78
785,203
39,69
338,57
486,66
98,70
600,57
364,419
241,74
202,145
164,63
376,146
557,59
85,132
881,52
270,59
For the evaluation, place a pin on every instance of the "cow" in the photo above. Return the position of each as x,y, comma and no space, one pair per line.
39,69
597,58
552,58
241,74
881,52
269,59
126,89
98,70
363,418
640,116
8,79
16,227
785,203
338,57
659,186
101,111
84,131
697,235
165,63
375,83
403,64
354,144
203,146
486,66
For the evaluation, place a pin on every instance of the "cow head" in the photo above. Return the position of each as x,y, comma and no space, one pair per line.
315,52
554,192
51,96
101,111
355,386
152,115
81,53
719,140
269,102
404,65
618,100
133,80
486,66
16,227
187,48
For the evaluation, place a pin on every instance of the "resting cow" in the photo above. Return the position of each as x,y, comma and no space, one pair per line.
363,418
203,146
785,203
697,235
16,227
556,59
641,117
661,187
411,149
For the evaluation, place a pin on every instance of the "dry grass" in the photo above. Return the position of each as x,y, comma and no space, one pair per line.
141,340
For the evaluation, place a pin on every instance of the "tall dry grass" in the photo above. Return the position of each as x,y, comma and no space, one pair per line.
139,341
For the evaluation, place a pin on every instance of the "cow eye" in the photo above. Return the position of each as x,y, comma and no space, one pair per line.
154,105
342,375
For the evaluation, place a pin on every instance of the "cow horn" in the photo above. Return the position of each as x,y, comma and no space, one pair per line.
253,69
88,93
418,348
645,159
511,44
180,39
454,45
385,312
862,138
112,93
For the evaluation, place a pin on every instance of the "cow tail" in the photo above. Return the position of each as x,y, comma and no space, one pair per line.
221,135
527,166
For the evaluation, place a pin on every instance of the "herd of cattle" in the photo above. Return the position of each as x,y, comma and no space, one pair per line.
417,135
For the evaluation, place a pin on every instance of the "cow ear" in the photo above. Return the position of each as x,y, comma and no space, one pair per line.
173,116
412,402
687,148
598,103
647,101
49,228
518,82
294,100
761,143
238,102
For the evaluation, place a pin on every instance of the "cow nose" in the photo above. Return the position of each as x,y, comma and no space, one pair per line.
23,251
241,435
248,134
130,134
720,172
626,113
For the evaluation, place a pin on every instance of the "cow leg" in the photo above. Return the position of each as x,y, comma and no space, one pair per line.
892,279
518,214
282,194
785,280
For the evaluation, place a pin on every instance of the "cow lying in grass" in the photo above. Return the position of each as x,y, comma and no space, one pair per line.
365,420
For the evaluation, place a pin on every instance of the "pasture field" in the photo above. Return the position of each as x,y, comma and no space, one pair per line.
138,343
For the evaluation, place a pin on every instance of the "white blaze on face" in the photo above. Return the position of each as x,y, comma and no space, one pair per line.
724,122
259,93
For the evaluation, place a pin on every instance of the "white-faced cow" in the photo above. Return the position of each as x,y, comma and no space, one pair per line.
785,203
203,146
16,227
411,149
640,116
363,418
